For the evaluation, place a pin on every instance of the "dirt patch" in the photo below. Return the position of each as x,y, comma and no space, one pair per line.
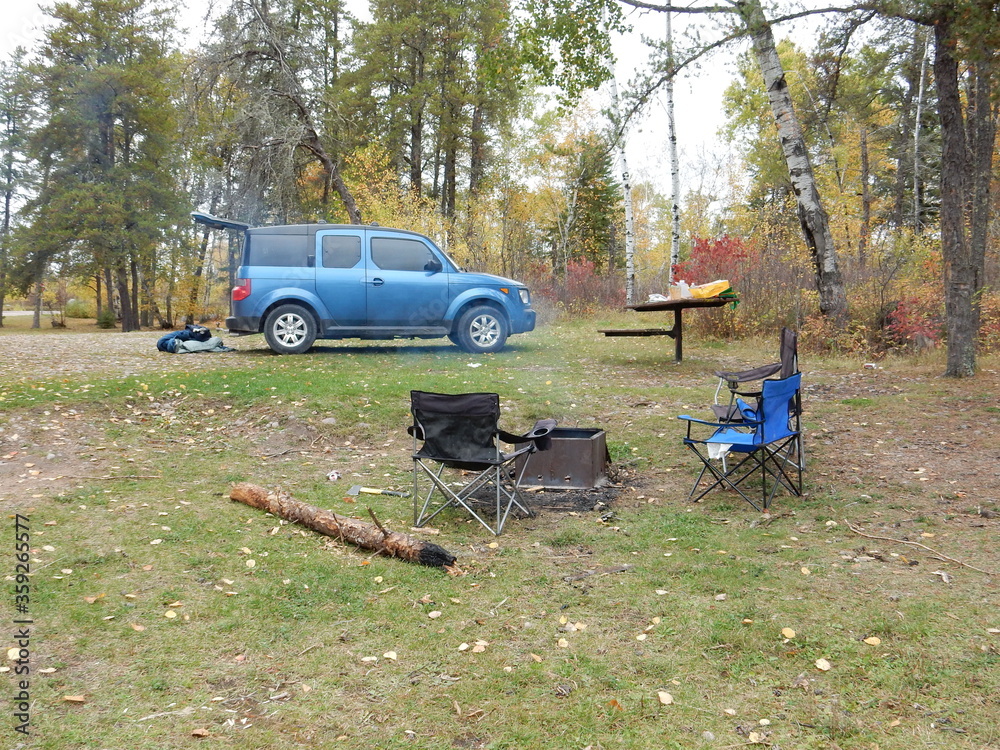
52,357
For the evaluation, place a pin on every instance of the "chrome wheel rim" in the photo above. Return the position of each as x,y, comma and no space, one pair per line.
485,331
290,330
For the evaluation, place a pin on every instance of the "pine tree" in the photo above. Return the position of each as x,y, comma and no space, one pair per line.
15,112
107,194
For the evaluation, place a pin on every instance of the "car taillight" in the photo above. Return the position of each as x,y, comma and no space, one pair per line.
242,290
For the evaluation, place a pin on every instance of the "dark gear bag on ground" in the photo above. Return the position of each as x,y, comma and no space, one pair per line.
168,342
198,333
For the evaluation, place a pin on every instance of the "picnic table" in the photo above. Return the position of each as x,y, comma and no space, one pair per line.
678,306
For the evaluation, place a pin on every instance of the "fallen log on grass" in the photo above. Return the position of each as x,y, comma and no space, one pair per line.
360,533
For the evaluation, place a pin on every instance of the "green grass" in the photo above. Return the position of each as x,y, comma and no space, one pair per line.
291,651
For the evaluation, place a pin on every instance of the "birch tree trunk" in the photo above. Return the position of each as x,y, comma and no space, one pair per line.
627,193
675,167
813,218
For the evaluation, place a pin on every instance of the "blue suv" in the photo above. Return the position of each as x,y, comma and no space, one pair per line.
301,282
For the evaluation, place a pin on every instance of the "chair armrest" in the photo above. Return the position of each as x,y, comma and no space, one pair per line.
695,420
538,435
747,376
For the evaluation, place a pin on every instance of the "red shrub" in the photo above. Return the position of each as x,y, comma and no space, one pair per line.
710,259
915,322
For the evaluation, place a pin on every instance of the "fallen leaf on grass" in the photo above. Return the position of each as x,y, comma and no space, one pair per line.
170,614
92,599
200,733
944,576
873,641
615,704
823,665
391,655
665,698
788,633
562,643
137,627
74,699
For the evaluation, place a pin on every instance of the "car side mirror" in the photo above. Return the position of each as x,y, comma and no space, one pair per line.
433,265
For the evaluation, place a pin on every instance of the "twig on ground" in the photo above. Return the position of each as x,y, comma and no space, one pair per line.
941,555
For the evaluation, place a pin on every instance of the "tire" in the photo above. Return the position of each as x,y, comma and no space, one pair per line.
290,329
481,330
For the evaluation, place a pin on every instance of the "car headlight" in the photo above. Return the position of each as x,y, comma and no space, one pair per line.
525,296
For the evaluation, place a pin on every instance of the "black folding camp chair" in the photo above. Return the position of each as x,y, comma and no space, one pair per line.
766,443
460,432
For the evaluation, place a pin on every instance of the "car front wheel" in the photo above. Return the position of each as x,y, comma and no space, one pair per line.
290,329
481,330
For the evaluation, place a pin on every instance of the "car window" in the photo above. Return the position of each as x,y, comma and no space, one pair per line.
289,250
394,254
341,250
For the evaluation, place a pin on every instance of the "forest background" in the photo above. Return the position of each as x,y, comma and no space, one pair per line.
485,125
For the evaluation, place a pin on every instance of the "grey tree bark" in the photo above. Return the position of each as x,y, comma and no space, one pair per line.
966,175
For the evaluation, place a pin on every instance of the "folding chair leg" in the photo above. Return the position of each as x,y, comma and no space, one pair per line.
505,499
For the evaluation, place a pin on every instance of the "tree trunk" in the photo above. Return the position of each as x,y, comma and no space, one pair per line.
864,231
966,166
199,267
365,535
675,165
627,196
99,303
36,316
417,105
109,290
813,218
124,298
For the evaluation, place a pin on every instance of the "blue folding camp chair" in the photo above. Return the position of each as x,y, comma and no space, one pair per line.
766,443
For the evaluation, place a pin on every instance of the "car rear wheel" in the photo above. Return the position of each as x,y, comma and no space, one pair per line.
290,329
481,330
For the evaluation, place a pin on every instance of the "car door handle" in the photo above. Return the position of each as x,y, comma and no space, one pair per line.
378,282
